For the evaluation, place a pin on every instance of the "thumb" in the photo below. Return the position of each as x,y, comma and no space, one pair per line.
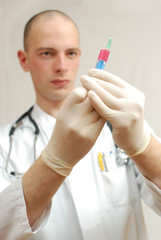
78,95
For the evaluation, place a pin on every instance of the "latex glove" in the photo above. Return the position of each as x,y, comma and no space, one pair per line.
77,127
122,105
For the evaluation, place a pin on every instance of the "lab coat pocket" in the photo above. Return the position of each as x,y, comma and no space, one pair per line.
119,187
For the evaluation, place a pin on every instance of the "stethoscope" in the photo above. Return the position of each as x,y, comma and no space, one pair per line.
121,157
11,133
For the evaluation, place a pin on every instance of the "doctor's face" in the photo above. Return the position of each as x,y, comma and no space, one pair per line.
52,58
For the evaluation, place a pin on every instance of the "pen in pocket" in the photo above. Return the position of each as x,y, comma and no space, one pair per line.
102,162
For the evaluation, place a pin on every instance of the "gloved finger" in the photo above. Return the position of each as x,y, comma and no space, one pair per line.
110,87
98,125
92,117
86,109
106,76
108,99
78,95
86,105
106,112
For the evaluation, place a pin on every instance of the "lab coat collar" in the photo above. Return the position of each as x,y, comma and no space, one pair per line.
45,121
40,114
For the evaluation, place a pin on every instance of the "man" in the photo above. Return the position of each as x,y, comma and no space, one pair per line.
99,198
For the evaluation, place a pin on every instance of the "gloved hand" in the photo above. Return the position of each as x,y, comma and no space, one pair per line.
122,105
77,127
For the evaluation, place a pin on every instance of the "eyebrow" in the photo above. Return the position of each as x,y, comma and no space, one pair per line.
53,49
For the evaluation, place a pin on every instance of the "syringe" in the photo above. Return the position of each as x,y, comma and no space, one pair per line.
103,56
101,62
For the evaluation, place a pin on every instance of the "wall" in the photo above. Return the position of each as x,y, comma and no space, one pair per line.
135,54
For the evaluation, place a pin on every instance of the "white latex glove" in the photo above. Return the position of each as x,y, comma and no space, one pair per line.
77,127
122,105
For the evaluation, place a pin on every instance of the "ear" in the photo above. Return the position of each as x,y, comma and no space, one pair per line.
22,56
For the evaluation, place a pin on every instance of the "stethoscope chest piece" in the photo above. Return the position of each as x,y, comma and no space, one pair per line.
121,157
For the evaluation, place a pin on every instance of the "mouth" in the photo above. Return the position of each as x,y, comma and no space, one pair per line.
60,82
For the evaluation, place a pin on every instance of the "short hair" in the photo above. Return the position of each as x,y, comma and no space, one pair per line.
48,14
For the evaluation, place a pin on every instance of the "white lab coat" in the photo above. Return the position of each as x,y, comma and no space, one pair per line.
89,205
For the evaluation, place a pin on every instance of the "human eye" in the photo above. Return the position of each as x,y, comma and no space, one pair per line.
46,53
72,53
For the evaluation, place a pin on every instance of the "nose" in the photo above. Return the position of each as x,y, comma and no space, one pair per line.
60,64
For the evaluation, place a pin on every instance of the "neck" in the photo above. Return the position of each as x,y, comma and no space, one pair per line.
51,108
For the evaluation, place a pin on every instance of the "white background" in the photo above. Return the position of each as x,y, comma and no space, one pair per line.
135,28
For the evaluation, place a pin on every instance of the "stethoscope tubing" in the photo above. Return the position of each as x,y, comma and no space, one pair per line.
122,158
12,130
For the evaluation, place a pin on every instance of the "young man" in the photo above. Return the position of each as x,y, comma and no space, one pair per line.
98,197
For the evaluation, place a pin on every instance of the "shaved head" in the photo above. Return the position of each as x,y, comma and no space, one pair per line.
45,15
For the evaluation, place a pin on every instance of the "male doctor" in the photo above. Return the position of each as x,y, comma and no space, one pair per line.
60,197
